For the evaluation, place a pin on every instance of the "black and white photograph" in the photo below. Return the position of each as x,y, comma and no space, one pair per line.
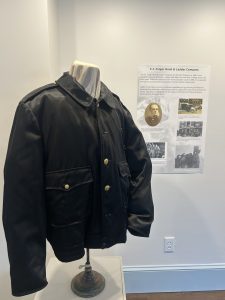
187,156
190,129
156,150
190,106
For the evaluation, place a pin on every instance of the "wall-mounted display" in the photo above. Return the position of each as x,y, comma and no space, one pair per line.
172,115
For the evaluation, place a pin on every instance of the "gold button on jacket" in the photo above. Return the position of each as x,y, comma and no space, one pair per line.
107,187
66,186
106,161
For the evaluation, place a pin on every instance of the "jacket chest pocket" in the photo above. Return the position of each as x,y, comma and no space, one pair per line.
68,195
125,176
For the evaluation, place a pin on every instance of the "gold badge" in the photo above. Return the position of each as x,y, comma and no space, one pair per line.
153,114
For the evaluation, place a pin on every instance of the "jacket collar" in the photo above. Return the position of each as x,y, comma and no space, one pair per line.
78,93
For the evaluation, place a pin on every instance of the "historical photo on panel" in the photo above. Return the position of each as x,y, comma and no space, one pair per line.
153,114
189,129
187,156
190,106
156,150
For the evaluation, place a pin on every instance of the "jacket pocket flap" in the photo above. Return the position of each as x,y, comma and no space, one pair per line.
124,169
67,179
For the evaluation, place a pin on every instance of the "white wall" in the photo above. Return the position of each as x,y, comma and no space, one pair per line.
37,44
53,36
120,35
24,65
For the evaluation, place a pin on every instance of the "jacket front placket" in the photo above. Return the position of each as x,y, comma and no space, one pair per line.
105,178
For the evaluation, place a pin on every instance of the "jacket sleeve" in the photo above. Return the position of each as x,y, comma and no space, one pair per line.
24,215
140,204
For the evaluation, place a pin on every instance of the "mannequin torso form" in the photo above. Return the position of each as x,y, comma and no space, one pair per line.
88,76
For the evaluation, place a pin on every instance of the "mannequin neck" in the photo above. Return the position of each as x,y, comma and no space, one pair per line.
88,76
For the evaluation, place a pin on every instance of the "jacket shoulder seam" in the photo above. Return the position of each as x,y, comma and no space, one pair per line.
37,91
123,119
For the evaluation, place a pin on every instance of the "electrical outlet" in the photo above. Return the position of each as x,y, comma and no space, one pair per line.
169,244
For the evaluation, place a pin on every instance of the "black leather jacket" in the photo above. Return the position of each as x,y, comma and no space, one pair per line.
77,173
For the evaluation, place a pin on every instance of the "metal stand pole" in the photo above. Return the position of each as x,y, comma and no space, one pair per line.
88,283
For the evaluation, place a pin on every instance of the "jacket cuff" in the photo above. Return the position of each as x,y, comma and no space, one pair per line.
30,291
139,225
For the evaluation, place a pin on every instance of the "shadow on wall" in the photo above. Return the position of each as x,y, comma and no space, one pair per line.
188,218
180,211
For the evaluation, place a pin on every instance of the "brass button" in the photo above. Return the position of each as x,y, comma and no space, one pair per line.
106,161
107,187
66,186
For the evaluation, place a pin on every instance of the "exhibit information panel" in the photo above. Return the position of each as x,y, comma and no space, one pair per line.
172,115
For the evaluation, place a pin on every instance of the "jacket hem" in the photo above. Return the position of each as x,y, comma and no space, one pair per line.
97,242
68,257
94,242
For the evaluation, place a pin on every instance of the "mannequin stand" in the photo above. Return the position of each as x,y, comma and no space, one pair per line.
88,283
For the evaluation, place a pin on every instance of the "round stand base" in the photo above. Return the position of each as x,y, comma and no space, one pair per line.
88,284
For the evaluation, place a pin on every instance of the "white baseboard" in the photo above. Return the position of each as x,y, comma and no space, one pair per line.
174,278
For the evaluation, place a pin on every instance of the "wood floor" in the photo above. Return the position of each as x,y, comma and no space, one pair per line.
179,296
